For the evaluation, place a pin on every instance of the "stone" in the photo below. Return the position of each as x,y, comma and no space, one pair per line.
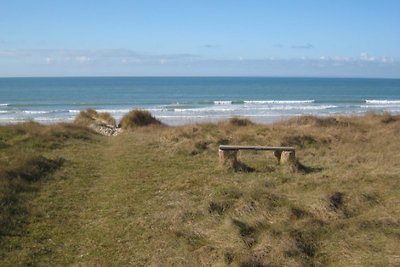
105,129
288,157
228,158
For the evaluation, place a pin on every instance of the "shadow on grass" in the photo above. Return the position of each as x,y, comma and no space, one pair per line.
300,167
18,181
242,167
297,167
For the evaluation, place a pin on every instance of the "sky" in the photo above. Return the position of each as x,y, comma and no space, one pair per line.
300,38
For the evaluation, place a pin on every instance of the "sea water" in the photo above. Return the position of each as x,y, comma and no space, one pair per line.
182,100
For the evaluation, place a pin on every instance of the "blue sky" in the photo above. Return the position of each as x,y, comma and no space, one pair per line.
200,38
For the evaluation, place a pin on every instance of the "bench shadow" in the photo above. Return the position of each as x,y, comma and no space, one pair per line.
242,167
298,167
306,169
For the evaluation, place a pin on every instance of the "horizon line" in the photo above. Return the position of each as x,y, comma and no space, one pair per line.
202,76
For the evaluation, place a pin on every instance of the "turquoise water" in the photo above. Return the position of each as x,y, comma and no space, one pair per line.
181,100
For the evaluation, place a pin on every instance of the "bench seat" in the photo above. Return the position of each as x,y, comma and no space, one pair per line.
273,148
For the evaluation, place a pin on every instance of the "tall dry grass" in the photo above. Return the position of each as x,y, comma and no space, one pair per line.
91,116
136,118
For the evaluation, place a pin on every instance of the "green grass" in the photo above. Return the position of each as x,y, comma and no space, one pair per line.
157,196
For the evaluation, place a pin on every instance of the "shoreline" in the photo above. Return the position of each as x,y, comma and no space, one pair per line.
256,119
178,101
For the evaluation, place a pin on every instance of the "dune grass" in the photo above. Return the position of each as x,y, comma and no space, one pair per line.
137,118
90,116
157,196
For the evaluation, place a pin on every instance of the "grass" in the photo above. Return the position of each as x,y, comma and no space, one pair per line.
136,118
157,196
90,116
24,163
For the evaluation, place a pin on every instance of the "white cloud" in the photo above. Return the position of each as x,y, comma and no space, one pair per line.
49,60
83,59
61,62
84,56
366,57
15,53
128,56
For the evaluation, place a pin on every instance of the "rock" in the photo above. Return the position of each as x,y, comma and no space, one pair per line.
288,158
105,129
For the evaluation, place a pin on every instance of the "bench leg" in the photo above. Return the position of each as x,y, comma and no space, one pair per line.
227,158
289,158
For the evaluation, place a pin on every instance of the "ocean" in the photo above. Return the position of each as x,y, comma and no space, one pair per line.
183,100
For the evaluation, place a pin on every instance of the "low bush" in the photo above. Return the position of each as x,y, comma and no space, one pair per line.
90,116
313,121
137,117
240,122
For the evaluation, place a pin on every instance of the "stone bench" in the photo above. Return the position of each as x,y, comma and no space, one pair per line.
228,153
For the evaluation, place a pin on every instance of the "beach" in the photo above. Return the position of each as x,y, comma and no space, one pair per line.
157,195
199,133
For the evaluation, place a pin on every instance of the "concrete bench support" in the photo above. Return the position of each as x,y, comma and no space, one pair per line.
288,157
227,157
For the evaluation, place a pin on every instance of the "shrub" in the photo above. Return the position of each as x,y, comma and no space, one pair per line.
107,118
137,117
313,121
90,116
240,122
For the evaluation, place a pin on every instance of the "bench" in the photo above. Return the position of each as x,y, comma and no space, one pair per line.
228,153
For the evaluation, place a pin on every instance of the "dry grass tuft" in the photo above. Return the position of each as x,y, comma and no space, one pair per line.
136,118
383,118
240,122
90,116
313,121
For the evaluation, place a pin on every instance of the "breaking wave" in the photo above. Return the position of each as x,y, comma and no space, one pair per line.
383,102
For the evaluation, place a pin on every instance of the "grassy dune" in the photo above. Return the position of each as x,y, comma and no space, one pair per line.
156,196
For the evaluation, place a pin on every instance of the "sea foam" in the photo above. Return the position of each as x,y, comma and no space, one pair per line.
278,101
388,102
218,102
